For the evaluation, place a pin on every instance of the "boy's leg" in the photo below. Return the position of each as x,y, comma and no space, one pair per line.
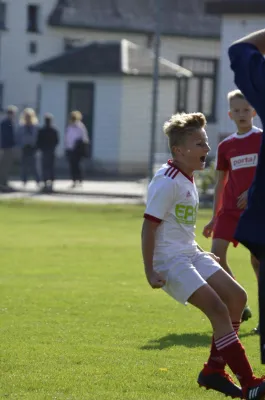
219,248
255,265
182,280
226,340
224,235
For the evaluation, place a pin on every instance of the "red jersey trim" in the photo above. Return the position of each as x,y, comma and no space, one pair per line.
174,167
152,218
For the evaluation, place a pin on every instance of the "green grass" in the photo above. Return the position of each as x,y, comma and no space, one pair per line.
78,319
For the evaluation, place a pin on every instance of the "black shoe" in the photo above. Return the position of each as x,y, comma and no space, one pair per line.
255,392
219,381
246,314
256,330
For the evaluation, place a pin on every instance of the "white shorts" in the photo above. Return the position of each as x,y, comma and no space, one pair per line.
184,274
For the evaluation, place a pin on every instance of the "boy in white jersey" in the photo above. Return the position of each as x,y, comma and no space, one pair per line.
174,261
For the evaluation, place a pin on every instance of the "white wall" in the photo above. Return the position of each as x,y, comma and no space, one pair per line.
54,100
233,27
20,86
106,118
136,121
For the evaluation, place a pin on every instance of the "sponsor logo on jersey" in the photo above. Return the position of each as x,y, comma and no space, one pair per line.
246,161
186,214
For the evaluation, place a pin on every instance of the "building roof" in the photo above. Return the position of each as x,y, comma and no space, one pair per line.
108,58
178,17
235,6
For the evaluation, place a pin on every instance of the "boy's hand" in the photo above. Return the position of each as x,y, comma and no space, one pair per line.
207,230
155,280
242,200
214,257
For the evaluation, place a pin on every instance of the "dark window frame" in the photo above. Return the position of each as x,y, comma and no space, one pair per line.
38,97
33,22
182,92
33,47
1,96
3,13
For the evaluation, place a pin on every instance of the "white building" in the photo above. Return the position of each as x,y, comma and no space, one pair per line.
33,32
238,18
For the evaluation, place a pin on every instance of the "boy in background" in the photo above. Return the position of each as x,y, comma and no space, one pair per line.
237,158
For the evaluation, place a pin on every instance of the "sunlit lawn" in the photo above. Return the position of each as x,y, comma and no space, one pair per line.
78,320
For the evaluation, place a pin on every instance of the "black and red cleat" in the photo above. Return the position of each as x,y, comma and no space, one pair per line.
220,381
256,391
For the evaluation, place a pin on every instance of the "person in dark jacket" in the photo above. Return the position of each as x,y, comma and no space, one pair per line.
48,139
7,143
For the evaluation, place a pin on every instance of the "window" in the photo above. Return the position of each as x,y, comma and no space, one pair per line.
1,96
199,92
38,98
33,18
2,15
33,47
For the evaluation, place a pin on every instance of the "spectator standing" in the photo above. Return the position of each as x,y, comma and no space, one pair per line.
48,139
27,139
76,145
7,141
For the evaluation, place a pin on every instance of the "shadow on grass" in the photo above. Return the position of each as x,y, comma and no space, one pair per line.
185,339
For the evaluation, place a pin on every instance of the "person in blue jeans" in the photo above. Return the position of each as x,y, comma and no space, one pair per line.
48,139
27,139
248,64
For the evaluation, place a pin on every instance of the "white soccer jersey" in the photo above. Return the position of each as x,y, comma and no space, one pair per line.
173,201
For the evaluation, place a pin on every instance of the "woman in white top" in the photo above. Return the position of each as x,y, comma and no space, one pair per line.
76,144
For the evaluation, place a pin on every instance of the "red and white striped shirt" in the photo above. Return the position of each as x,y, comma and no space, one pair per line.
172,201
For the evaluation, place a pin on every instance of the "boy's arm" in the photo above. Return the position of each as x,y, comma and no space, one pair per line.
248,64
256,39
221,177
148,245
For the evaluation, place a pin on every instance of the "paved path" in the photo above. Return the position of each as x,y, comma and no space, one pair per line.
101,192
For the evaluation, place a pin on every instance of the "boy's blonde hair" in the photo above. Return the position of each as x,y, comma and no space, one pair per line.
180,125
235,94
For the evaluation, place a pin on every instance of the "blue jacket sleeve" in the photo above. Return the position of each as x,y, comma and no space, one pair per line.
248,65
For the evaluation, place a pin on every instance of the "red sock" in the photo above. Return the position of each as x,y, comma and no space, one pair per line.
215,360
232,351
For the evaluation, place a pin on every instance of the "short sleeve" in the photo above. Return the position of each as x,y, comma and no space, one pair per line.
161,197
248,65
221,160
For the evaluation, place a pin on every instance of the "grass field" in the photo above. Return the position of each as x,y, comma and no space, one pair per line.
78,320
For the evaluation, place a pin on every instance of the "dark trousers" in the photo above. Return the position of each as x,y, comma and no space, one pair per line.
47,165
6,163
29,165
74,160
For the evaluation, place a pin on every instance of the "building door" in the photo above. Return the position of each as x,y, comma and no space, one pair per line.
81,98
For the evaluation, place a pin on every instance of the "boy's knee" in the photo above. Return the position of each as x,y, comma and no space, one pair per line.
243,297
238,300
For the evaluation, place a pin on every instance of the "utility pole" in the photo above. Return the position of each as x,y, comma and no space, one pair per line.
157,38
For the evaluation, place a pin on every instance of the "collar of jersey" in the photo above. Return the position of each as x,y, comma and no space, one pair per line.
254,129
171,164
